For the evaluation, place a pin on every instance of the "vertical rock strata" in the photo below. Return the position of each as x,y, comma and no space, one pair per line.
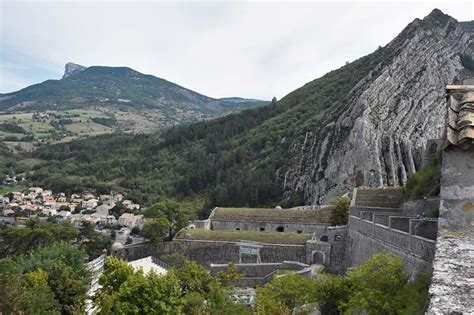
380,136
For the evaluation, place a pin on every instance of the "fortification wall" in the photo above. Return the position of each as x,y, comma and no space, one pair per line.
416,207
367,238
217,252
260,274
267,226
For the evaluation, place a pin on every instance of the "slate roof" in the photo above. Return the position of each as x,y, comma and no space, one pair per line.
460,120
316,216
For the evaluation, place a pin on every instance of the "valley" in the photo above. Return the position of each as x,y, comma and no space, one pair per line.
125,193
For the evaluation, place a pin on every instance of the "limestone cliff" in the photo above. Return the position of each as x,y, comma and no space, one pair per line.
380,134
71,68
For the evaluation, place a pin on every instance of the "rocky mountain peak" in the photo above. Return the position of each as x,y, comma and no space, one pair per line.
437,16
72,68
381,137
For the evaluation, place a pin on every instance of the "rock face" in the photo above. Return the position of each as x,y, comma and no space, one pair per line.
71,68
380,137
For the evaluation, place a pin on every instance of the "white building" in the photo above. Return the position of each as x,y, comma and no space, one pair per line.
130,220
50,212
149,264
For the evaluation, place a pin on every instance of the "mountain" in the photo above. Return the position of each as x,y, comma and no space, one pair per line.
71,68
112,89
366,123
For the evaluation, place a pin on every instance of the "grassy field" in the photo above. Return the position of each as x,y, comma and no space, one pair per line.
87,128
322,215
5,189
49,131
31,162
236,236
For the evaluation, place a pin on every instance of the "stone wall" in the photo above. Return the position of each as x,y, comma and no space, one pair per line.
416,207
259,274
201,224
452,283
267,226
367,238
217,252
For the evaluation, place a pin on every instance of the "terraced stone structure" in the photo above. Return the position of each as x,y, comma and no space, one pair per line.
379,220
299,220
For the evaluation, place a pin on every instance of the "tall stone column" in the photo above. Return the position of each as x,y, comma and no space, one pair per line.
453,266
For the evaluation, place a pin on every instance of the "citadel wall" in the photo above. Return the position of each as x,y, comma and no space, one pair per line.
218,252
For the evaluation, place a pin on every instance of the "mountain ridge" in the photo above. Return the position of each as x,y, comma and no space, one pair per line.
116,90
366,123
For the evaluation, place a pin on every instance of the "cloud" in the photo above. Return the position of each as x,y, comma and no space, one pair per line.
249,49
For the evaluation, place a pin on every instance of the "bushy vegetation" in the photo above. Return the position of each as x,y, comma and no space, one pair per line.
424,183
12,127
340,212
48,280
42,267
109,122
379,286
187,290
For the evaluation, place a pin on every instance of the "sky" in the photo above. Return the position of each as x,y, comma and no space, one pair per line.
252,49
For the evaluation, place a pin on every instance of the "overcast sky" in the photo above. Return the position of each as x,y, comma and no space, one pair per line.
249,49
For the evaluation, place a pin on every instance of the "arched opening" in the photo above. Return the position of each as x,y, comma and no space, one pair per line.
324,238
280,229
318,258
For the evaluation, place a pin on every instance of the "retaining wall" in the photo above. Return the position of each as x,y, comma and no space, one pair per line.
266,226
217,252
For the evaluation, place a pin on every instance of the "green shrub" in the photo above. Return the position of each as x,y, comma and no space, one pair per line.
423,183
340,213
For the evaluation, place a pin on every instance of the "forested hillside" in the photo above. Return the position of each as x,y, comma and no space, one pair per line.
136,102
301,149
232,160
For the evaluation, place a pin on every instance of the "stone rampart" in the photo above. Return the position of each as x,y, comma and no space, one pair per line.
367,238
217,252
260,274
267,226
418,207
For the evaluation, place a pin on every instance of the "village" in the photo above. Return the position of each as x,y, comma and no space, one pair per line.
111,214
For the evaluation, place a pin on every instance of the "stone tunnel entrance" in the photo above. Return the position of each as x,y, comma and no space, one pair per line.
318,258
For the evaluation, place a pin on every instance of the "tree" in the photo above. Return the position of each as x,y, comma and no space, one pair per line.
116,272
38,296
70,291
17,242
68,276
229,276
283,294
332,294
172,211
378,286
125,291
156,229
11,291
340,212
193,278
150,294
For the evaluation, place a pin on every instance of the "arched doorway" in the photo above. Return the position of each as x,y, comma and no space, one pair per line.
280,229
318,258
